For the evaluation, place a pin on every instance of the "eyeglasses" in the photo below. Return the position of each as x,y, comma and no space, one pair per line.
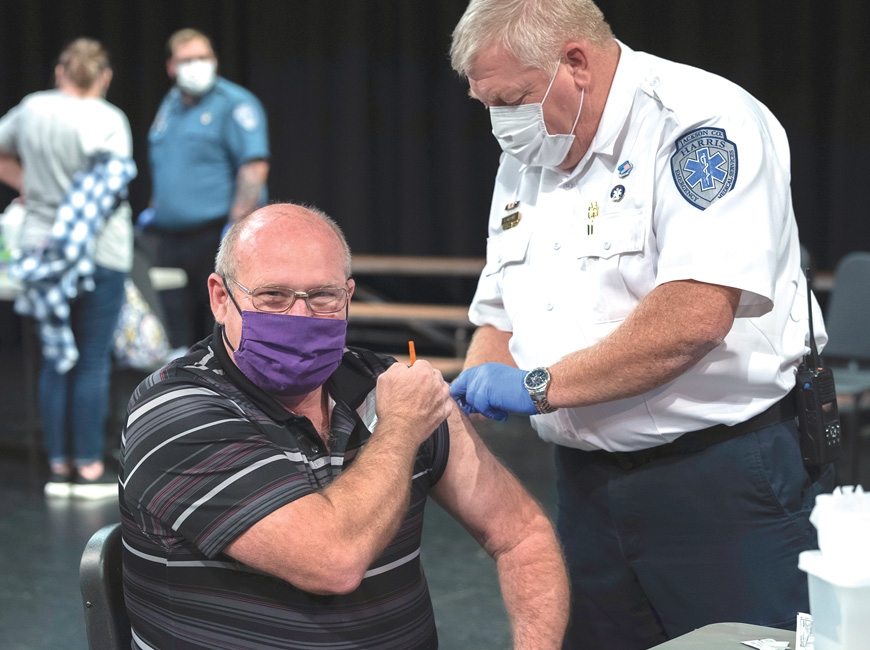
278,300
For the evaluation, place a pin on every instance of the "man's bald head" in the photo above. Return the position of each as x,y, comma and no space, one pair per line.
276,221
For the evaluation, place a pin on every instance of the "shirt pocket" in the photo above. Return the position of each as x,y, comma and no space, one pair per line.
507,269
504,250
615,263
614,234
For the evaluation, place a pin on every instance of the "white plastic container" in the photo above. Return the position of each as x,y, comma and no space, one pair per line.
839,601
842,520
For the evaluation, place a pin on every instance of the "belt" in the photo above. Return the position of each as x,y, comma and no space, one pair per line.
694,441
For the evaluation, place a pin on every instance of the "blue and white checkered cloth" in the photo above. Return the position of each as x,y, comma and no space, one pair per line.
54,275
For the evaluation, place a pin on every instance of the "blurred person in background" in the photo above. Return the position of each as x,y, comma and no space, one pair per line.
69,153
208,148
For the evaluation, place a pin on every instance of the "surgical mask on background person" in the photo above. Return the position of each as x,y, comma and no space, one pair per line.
522,133
287,355
196,77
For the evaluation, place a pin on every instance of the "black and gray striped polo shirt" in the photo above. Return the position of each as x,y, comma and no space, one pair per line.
205,454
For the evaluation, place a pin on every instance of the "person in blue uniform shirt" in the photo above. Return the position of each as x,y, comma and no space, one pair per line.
643,302
208,151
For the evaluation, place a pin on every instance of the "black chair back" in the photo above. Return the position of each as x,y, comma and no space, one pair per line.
100,579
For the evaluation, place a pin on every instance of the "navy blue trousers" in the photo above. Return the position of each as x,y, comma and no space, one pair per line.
188,310
687,540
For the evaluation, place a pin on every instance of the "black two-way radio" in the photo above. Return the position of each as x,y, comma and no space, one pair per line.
818,416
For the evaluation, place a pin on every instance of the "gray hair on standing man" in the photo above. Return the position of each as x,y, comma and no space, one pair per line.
532,31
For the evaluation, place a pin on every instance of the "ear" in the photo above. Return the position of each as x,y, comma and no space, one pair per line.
106,81
576,54
219,298
171,69
350,286
58,75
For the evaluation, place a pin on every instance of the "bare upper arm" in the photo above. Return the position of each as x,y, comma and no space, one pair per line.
480,493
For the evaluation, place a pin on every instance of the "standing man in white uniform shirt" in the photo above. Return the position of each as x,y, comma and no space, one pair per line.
643,301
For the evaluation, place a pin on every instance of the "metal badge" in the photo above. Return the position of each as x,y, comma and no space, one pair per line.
624,169
590,217
511,220
513,205
617,193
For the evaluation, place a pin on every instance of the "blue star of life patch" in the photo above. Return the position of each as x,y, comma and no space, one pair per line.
704,166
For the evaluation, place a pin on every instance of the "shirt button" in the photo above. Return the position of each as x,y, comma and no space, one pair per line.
498,259
607,245
549,306
569,185
557,246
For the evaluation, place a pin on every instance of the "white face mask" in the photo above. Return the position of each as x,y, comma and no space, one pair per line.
196,77
522,132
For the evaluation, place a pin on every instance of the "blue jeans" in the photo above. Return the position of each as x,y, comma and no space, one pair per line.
686,540
74,405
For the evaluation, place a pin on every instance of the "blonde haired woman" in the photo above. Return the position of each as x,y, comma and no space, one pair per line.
54,135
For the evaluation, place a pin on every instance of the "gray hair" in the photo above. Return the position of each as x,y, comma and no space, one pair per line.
533,31
226,264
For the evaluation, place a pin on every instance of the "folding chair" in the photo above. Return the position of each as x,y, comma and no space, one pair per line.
106,620
847,321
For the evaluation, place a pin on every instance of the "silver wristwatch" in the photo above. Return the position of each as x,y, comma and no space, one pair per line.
537,382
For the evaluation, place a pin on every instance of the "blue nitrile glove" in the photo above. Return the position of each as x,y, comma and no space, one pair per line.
143,220
494,390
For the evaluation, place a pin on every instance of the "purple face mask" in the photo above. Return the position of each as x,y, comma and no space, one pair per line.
287,355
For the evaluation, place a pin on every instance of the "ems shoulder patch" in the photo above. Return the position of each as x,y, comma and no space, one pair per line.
704,166
246,116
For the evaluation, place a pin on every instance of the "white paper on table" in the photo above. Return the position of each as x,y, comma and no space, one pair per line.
804,633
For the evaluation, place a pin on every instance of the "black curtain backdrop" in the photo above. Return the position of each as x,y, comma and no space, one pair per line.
368,121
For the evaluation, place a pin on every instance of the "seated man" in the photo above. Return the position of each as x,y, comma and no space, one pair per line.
274,481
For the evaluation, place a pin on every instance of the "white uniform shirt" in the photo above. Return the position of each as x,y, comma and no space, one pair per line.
561,281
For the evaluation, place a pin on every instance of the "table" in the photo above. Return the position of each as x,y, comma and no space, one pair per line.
468,267
725,636
162,278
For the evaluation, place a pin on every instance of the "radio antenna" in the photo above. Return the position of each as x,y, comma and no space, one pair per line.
814,351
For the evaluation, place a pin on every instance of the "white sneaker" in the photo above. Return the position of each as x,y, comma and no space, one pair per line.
58,486
105,487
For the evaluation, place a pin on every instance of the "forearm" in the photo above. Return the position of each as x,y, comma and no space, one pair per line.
670,331
370,499
11,173
489,344
534,586
250,181
324,542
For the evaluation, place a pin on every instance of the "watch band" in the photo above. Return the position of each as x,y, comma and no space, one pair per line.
543,406
538,391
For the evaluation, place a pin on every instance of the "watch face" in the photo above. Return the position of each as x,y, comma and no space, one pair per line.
537,378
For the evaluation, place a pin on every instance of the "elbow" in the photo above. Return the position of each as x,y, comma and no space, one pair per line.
342,580
706,333
331,578
344,585
711,336
694,350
